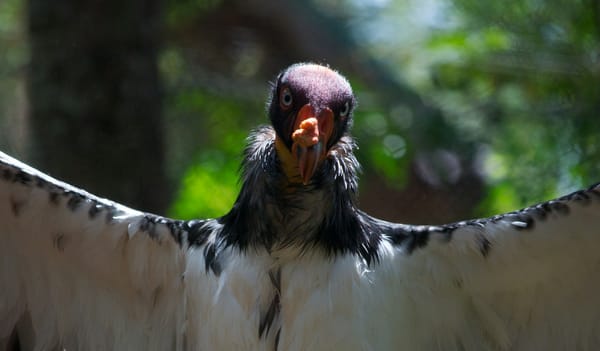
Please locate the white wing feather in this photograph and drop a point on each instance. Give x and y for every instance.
(523, 281)
(80, 281)
(83, 273)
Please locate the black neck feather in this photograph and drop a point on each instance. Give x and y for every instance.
(272, 213)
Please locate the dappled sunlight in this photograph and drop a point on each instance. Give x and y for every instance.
(518, 81)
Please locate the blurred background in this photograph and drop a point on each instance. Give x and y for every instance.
(466, 107)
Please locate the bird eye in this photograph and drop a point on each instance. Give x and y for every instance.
(344, 111)
(285, 98)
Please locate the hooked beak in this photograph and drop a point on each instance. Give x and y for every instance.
(311, 134)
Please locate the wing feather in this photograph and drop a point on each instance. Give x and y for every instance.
(78, 272)
(83, 272)
(525, 280)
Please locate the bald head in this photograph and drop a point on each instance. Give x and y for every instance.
(310, 109)
(316, 85)
(319, 85)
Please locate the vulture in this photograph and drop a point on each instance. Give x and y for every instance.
(294, 265)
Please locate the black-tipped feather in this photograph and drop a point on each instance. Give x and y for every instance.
(294, 265)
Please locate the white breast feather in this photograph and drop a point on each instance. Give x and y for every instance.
(101, 283)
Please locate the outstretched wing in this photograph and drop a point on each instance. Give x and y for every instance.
(80, 271)
(526, 280)
(83, 273)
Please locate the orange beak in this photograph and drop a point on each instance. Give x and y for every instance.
(310, 137)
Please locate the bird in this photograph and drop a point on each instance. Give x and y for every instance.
(294, 264)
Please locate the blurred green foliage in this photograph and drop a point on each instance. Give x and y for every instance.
(207, 125)
(382, 148)
(520, 80)
(210, 183)
(529, 72)
(13, 58)
(208, 188)
(518, 85)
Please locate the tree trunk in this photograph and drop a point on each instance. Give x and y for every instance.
(95, 98)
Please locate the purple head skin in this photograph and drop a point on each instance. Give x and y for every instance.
(310, 110)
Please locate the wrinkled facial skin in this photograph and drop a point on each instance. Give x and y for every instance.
(311, 84)
(310, 110)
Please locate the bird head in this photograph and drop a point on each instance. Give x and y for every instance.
(310, 109)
